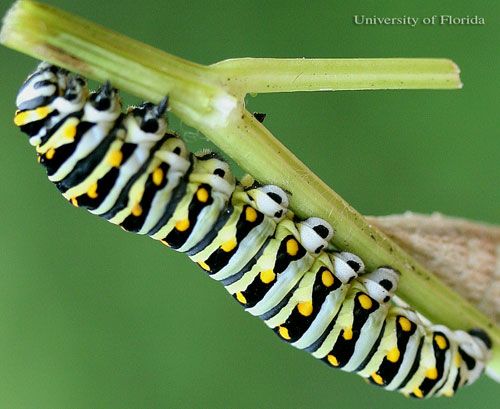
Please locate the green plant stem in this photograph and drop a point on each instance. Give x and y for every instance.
(211, 100)
(259, 75)
(50, 34)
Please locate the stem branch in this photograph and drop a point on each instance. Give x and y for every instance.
(260, 75)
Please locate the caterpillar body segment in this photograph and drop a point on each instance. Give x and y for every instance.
(131, 170)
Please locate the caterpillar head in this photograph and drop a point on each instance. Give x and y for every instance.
(41, 87)
(315, 233)
(46, 96)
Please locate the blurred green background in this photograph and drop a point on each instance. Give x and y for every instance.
(91, 317)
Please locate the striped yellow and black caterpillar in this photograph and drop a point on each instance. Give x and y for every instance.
(129, 169)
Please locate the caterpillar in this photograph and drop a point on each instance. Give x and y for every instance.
(131, 170)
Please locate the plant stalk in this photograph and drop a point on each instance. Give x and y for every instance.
(262, 75)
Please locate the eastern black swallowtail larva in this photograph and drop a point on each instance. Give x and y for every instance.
(131, 170)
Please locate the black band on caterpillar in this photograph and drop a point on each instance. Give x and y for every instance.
(130, 170)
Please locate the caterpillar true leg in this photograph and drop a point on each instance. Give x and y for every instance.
(129, 169)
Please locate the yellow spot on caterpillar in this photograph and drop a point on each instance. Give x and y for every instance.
(157, 176)
(365, 301)
(405, 324)
(347, 335)
(241, 298)
(448, 394)
(250, 214)
(137, 210)
(73, 201)
(166, 243)
(327, 278)
(115, 158)
(292, 247)
(70, 132)
(305, 308)
(204, 265)
(418, 393)
(182, 225)
(92, 192)
(393, 355)
(267, 276)
(24, 117)
(377, 378)
(458, 360)
(42, 112)
(441, 341)
(20, 118)
(332, 360)
(283, 331)
(202, 195)
(228, 245)
(431, 373)
(50, 153)
(38, 158)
